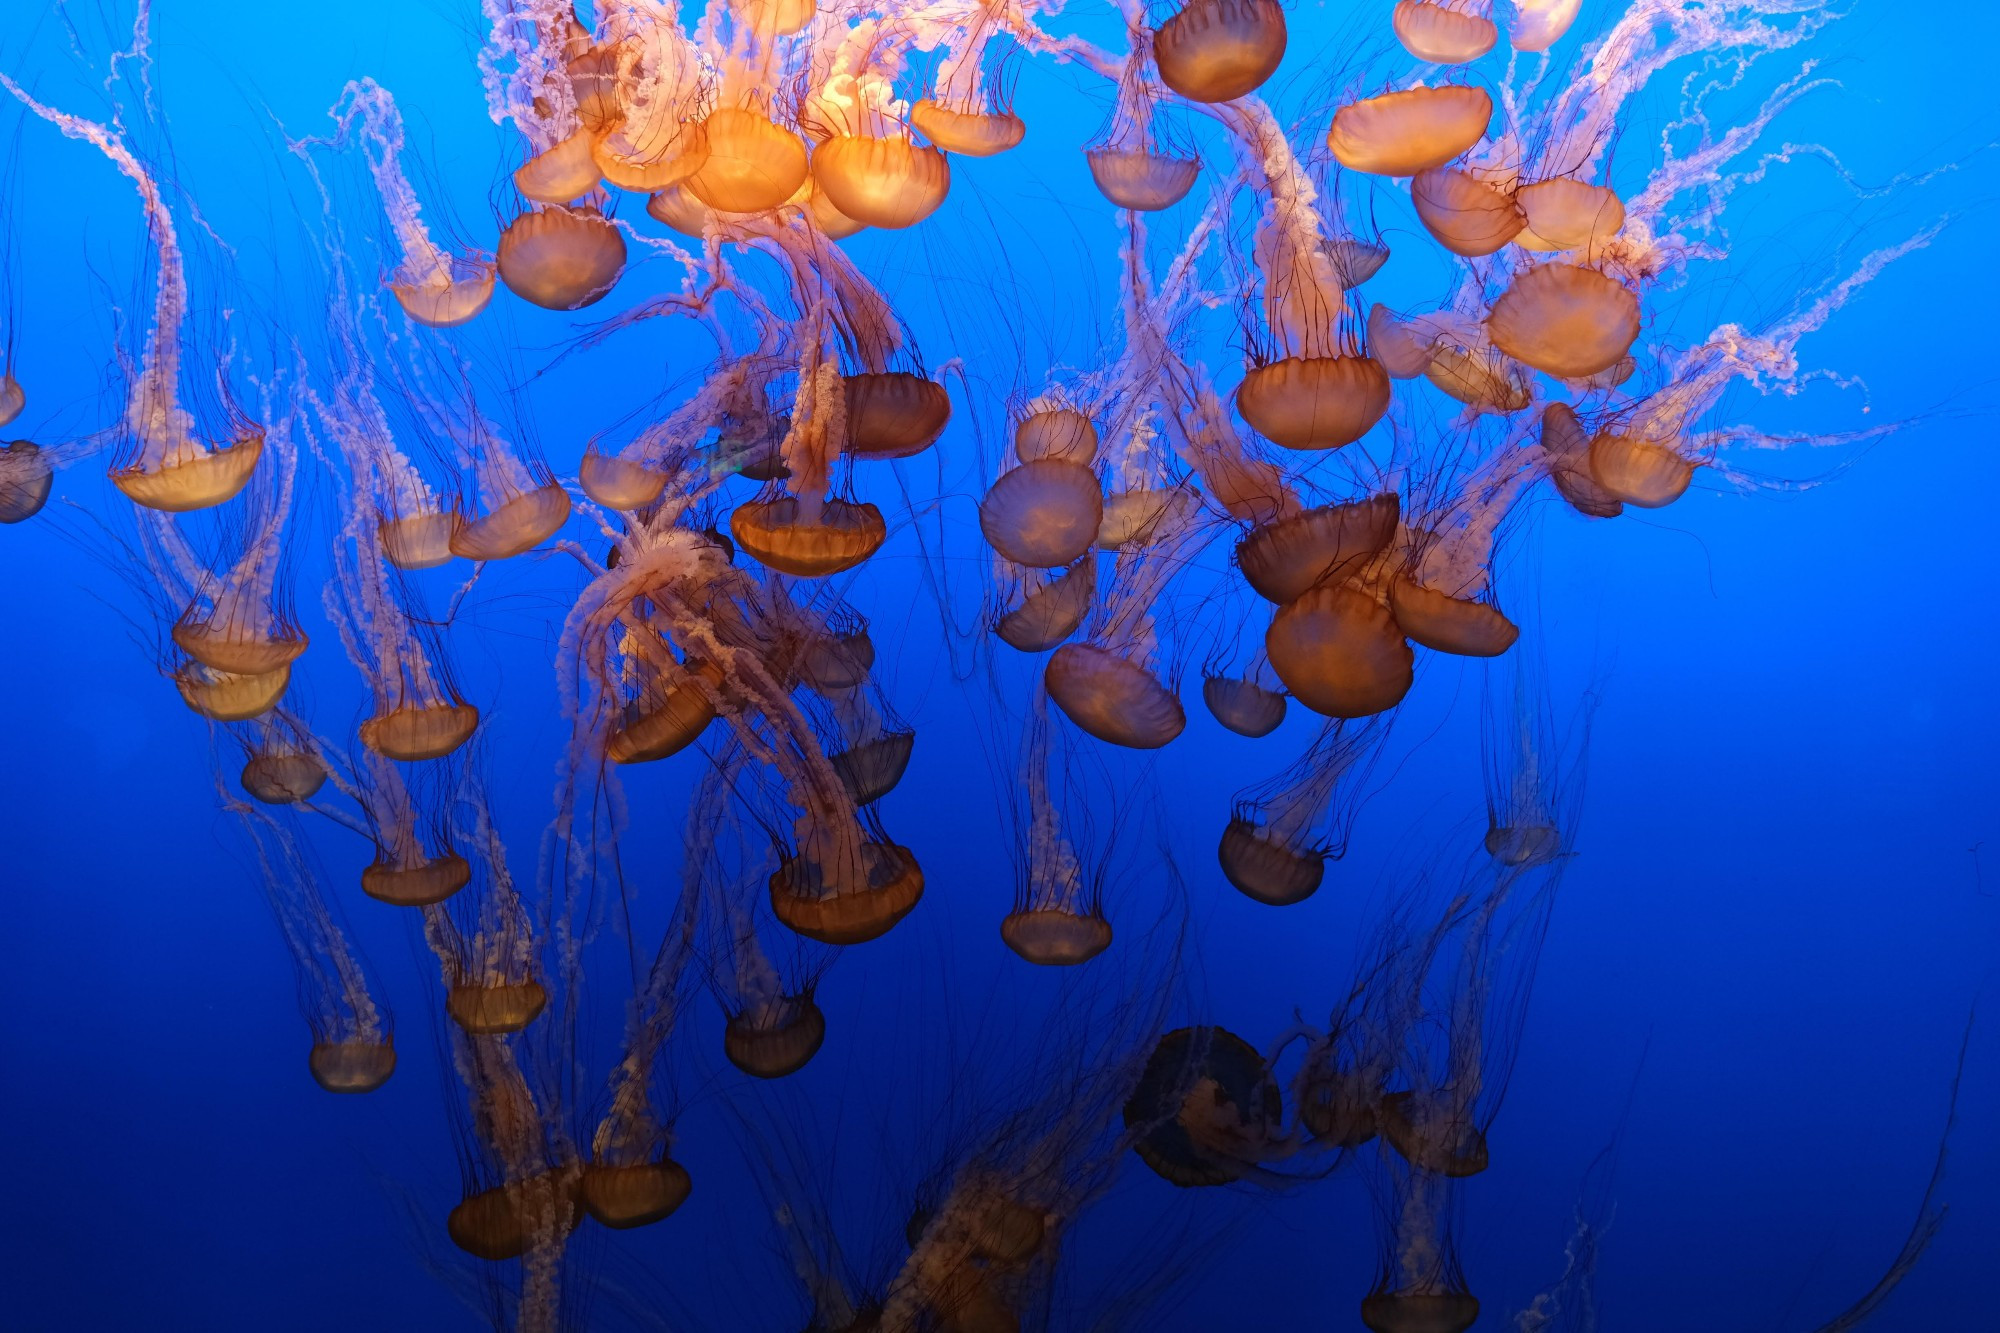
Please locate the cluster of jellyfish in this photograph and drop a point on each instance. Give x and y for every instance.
(1350, 495)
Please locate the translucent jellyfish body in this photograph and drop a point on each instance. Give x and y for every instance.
(1339, 652)
(419, 882)
(1566, 446)
(872, 769)
(1140, 179)
(491, 1008)
(867, 906)
(893, 414)
(1564, 319)
(1043, 514)
(1566, 214)
(784, 535)
(1056, 433)
(25, 481)
(1337, 1105)
(352, 1067)
(624, 1197)
(1320, 402)
(561, 258)
(1050, 612)
(1055, 937)
(283, 777)
(420, 540)
(1431, 1131)
(1486, 380)
(968, 133)
(617, 482)
(1220, 50)
(1466, 214)
(1268, 868)
(1112, 697)
(1398, 347)
(504, 1222)
(523, 520)
(777, 1040)
(1403, 133)
(1281, 560)
(889, 182)
(223, 696)
(191, 477)
(752, 165)
(1644, 472)
(562, 172)
(1243, 706)
(13, 398)
(1442, 34)
(1204, 1107)
(1447, 624)
(415, 732)
(666, 718)
(451, 293)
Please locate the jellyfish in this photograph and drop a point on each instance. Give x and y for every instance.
(1058, 916)
(644, 78)
(1220, 50)
(1282, 832)
(1403, 133)
(868, 163)
(166, 465)
(436, 286)
(1134, 167)
(1206, 1110)
(521, 504)
(1045, 512)
(1455, 32)
(282, 764)
(26, 478)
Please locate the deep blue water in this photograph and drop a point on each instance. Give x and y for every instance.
(1780, 910)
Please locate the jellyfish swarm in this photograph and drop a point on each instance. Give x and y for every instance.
(1282, 832)
(435, 286)
(1058, 915)
(165, 467)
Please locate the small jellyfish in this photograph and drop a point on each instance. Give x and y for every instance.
(1045, 512)
(283, 766)
(1047, 607)
(1282, 832)
(1132, 166)
(1058, 916)
(811, 533)
(521, 504)
(26, 478)
(1454, 32)
(1205, 1111)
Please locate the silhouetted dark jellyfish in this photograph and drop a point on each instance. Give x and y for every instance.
(1465, 211)
(858, 901)
(356, 1065)
(1243, 706)
(1044, 513)
(1339, 652)
(1444, 34)
(1281, 560)
(1649, 473)
(485, 1007)
(25, 481)
(1448, 624)
(561, 258)
(416, 882)
(871, 769)
(280, 775)
(504, 1222)
(638, 1195)
(1205, 1108)
(1433, 1131)
(833, 536)
(1420, 1312)
(1219, 50)
(1314, 402)
(1050, 611)
(1566, 445)
(1565, 319)
(837, 656)
(1403, 133)
(894, 414)
(1283, 831)
(669, 714)
(1113, 697)
(1270, 870)
(1338, 1105)
(752, 163)
(773, 1040)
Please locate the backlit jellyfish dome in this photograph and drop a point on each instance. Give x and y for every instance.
(1282, 833)
(166, 463)
(1058, 917)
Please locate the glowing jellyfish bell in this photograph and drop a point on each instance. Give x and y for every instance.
(811, 533)
(25, 481)
(1314, 402)
(282, 768)
(1051, 610)
(1403, 133)
(869, 166)
(1113, 697)
(1044, 513)
(671, 711)
(353, 1066)
(1567, 214)
(561, 257)
(1131, 169)
(856, 895)
(1565, 319)
(1642, 470)
(561, 173)
(1220, 50)
(222, 696)
(1340, 652)
(523, 504)
(1447, 624)
(487, 1007)
(1444, 34)
(753, 163)
(894, 413)
(1284, 558)
(1485, 379)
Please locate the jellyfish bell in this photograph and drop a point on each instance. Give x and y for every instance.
(1112, 697)
(1043, 514)
(1339, 652)
(1282, 559)
(1566, 445)
(893, 414)
(1356, 260)
(448, 294)
(1314, 402)
(1564, 319)
(417, 884)
(780, 534)
(1420, 1311)
(1403, 133)
(283, 777)
(521, 522)
(776, 18)
(778, 1042)
(1265, 868)
(1338, 1105)
(192, 477)
(804, 901)
(222, 696)
(1397, 347)
(1567, 214)
(418, 541)
(1060, 434)
(352, 1067)
(1203, 1107)
(967, 133)
(617, 482)
(1140, 180)
(415, 732)
(562, 172)
(890, 181)
(1056, 936)
(1052, 612)
(1429, 1131)
(1540, 24)
(1442, 34)
(1526, 845)
(238, 650)
(665, 719)
(12, 398)
(837, 660)
(1132, 518)
(504, 1222)
(1465, 212)
(872, 769)
(1447, 624)
(25, 481)
(677, 207)
(561, 257)
(638, 1195)
(1243, 706)
(1486, 380)
(753, 164)
(1220, 50)
(652, 157)
(1645, 472)
(491, 1008)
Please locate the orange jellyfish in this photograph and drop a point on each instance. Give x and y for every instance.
(1454, 32)
(1339, 1085)
(1220, 50)
(1250, 704)
(1567, 320)
(485, 941)
(282, 764)
(1058, 917)
(1540, 24)
(436, 286)
(1403, 133)
(1206, 1110)
(868, 162)
(415, 863)
(1135, 167)
(1045, 512)
(166, 465)
(799, 527)
(26, 478)
(638, 91)
(1469, 211)
(1282, 832)
(1484, 378)
(1447, 568)
(969, 110)
(521, 504)
(1566, 455)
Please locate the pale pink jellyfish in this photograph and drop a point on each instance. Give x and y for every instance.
(1445, 32)
(435, 285)
(1283, 831)
(1133, 165)
(167, 466)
